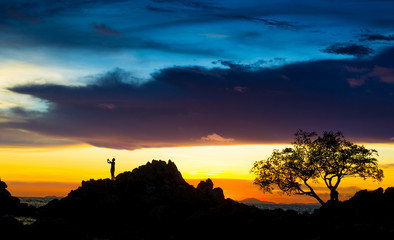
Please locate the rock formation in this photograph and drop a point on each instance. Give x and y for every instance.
(154, 202)
(367, 215)
(12, 205)
(154, 194)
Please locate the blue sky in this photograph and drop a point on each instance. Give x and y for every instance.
(154, 51)
(144, 36)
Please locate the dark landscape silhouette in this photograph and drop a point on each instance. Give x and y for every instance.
(154, 202)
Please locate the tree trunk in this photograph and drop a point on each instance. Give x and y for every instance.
(334, 195)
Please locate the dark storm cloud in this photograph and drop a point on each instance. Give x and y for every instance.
(245, 67)
(237, 66)
(348, 49)
(181, 105)
(376, 37)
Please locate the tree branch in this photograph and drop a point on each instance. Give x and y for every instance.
(338, 181)
(313, 194)
(325, 180)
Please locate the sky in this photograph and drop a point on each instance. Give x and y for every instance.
(212, 85)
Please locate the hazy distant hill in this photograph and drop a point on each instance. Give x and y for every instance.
(266, 205)
(255, 201)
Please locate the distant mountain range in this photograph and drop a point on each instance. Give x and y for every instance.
(255, 201)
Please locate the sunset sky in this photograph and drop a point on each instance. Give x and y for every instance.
(212, 85)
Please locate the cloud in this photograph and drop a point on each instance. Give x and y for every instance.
(276, 23)
(73, 25)
(215, 35)
(354, 82)
(240, 89)
(37, 11)
(103, 29)
(22, 138)
(376, 37)
(356, 70)
(216, 138)
(186, 5)
(348, 49)
(388, 165)
(244, 67)
(159, 9)
(385, 75)
(179, 104)
(266, 21)
(182, 6)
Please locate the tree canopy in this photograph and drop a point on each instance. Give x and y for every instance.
(329, 157)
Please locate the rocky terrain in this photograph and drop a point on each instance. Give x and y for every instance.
(11, 206)
(154, 202)
(367, 215)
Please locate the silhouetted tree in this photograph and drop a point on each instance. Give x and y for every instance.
(329, 157)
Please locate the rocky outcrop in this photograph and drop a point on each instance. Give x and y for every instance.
(367, 215)
(154, 202)
(152, 194)
(215, 194)
(12, 205)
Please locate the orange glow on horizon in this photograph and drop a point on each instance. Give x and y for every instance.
(40, 189)
(49, 171)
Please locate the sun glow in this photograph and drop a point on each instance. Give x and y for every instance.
(57, 170)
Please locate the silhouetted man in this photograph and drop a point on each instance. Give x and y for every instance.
(112, 168)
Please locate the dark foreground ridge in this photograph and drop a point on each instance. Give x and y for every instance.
(155, 202)
(9, 206)
(12, 205)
